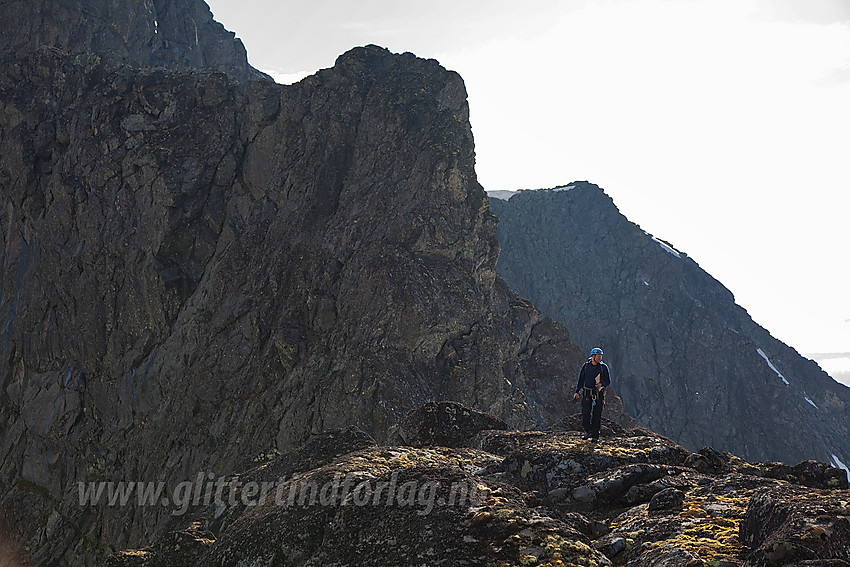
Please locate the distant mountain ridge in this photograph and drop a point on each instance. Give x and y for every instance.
(688, 361)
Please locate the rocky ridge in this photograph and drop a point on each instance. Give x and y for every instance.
(688, 361)
(528, 498)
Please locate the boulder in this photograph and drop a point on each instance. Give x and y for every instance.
(667, 499)
(790, 525)
(449, 424)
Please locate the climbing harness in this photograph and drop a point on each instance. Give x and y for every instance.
(591, 393)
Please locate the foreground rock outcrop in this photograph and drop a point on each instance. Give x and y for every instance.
(503, 497)
(687, 360)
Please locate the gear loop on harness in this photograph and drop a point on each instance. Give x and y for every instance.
(593, 394)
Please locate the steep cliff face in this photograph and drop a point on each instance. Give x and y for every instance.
(688, 361)
(195, 268)
(178, 34)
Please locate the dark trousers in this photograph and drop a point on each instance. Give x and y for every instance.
(591, 415)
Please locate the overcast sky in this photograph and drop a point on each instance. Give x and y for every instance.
(721, 126)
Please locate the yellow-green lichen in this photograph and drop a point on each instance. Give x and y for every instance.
(701, 531)
(708, 538)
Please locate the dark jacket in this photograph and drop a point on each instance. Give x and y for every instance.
(587, 375)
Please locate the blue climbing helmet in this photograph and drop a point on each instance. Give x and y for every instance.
(596, 351)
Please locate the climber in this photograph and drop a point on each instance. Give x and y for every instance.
(593, 378)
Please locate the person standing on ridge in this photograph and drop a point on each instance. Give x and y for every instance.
(593, 378)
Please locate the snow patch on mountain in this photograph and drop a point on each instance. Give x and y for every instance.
(841, 465)
(667, 248)
(772, 367)
(503, 195)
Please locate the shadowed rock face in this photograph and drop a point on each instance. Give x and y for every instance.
(687, 361)
(178, 34)
(196, 268)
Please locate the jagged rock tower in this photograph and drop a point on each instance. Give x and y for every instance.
(197, 266)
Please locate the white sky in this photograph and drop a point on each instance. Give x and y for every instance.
(721, 126)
